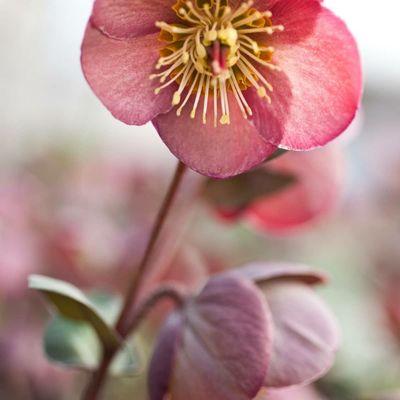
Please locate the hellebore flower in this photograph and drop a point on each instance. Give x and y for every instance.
(285, 194)
(225, 81)
(257, 327)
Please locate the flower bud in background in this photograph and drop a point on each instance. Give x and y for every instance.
(258, 326)
(287, 193)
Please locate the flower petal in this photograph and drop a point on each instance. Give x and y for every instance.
(163, 357)
(220, 152)
(305, 335)
(261, 273)
(319, 182)
(118, 73)
(324, 72)
(297, 393)
(225, 345)
(298, 18)
(124, 19)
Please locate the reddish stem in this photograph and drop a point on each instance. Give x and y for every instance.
(172, 292)
(123, 327)
(155, 233)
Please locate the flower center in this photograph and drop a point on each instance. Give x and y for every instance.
(214, 50)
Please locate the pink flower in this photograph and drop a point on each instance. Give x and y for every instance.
(243, 76)
(311, 184)
(258, 326)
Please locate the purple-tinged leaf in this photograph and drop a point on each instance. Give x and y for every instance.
(223, 347)
(163, 357)
(305, 334)
(263, 272)
(294, 393)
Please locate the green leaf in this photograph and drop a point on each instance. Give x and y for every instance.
(71, 343)
(240, 191)
(73, 304)
(74, 344)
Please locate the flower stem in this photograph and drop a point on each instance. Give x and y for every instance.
(155, 233)
(123, 327)
(171, 292)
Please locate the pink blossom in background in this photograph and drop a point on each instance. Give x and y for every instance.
(101, 215)
(308, 58)
(319, 180)
(20, 243)
(317, 185)
(257, 326)
(24, 364)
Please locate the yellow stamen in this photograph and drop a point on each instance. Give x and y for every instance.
(214, 54)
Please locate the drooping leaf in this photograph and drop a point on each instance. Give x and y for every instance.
(75, 344)
(216, 347)
(72, 344)
(306, 335)
(73, 304)
(262, 272)
(238, 192)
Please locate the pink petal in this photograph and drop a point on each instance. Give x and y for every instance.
(118, 73)
(324, 85)
(298, 17)
(223, 349)
(261, 273)
(217, 152)
(320, 180)
(305, 335)
(163, 357)
(295, 393)
(123, 19)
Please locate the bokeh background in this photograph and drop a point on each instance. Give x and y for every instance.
(78, 190)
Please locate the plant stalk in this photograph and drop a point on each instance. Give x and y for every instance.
(123, 327)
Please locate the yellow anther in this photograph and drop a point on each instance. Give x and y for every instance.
(261, 91)
(214, 55)
(228, 36)
(201, 51)
(176, 99)
(185, 57)
(224, 120)
(211, 36)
